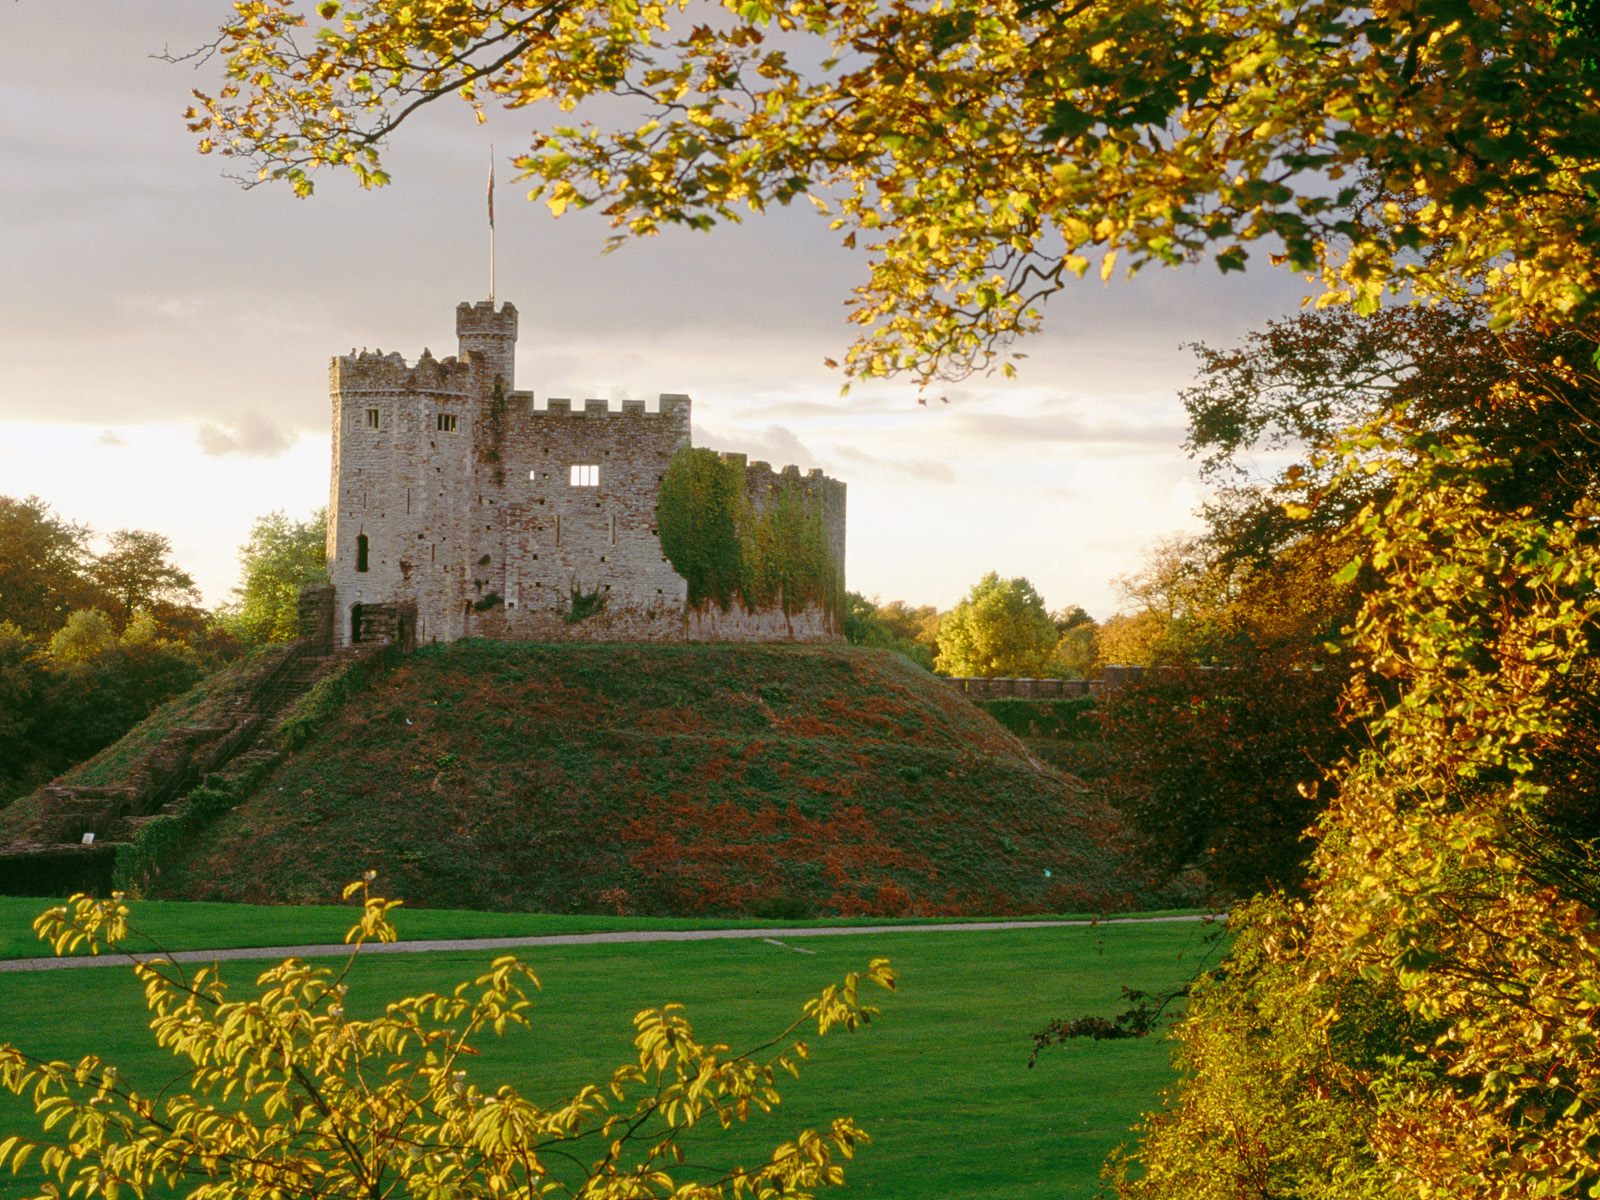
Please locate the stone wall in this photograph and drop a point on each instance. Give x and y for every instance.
(763, 485)
(576, 512)
(314, 610)
(984, 688)
(623, 623)
(388, 624)
(496, 516)
(398, 524)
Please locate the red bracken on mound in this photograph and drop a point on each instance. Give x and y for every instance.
(765, 781)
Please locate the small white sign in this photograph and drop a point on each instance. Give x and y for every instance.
(88, 839)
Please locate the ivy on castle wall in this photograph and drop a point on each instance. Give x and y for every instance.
(728, 550)
(697, 512)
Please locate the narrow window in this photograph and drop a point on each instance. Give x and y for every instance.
(361, 552)
(372, 418)
(585, 474)
(613, 529)
(446, 422)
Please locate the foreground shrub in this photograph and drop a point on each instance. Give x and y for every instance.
(290, 1096)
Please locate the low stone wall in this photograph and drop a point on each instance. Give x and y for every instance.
(315, 613)
(624, 623)
(48, 855)
(980, 688)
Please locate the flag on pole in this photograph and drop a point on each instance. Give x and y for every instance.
(491, 223)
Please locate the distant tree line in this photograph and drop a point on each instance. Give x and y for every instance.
(1001, 628)
(92, 642)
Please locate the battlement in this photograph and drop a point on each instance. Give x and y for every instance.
(489, 334)
(374, 371)
(486, 318)
(670, 405)
(761, 479)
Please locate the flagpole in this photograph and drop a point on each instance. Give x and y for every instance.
(491, 224)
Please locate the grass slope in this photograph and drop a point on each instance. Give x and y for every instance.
(940, 1081)
(207, 702)
(1064, 733)
(767, 780)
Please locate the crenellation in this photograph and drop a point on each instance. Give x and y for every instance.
(560, 406)
(488, 336)
(460, 502)
(378, 372)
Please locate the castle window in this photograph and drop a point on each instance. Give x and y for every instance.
(585, 474)
(361, 552)
(372, 418)
(446, 422)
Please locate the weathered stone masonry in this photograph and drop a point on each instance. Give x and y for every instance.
(461, 508)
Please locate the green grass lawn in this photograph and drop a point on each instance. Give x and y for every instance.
(192, 925)
(940, 1082)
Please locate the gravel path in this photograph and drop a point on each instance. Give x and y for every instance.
(775, 936)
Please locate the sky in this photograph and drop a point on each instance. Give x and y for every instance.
(165, 333)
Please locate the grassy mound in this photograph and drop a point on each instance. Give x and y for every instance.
(773, 781)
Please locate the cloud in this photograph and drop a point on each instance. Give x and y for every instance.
(927, 470)
(860, 403)
(110, 437)
(252, 434)
(1061, 428)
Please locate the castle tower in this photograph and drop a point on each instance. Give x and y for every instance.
(400, 520)
(491, 334)
(460, 508)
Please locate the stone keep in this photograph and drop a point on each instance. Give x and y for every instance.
(461, 508)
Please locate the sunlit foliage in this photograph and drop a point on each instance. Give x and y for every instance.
(287, 1092)
(281, 557)
(1455, 872)
(984, 152)
(728, 549)
(1001, 627)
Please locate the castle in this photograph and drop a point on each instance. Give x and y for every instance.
(459, 508)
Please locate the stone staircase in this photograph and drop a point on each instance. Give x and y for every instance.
(56, 853)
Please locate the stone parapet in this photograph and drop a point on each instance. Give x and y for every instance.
(981, 688)
(376, 373)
